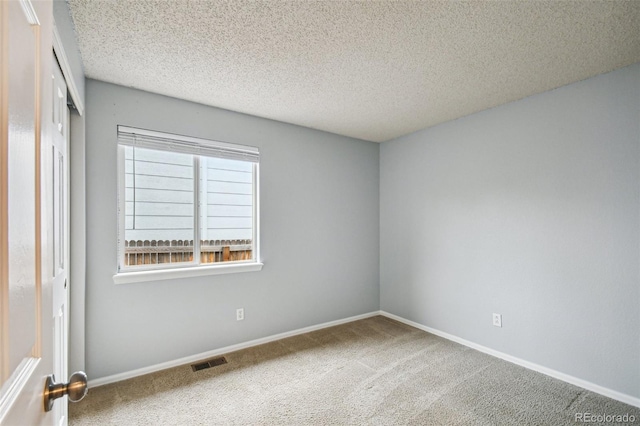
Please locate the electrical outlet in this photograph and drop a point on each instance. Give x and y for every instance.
(239, 314)
(497, 320)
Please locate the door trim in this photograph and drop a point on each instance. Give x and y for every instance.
(65, 67)
(16, 384)
(29, 12)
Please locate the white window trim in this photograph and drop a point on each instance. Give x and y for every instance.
(185, 272)
(190, 269)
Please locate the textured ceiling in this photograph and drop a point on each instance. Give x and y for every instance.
(373, 70)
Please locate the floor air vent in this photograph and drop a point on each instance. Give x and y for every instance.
(209, 363)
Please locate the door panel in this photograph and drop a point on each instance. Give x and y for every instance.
(60, 226)
(26, 321)
(21, 193)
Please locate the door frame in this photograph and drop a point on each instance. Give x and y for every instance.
(65, 67)
(77, 198)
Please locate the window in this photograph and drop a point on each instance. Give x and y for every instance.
(185, 203)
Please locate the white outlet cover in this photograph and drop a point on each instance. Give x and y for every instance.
(497, 320)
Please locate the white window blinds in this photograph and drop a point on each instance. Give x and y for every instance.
(130, 136)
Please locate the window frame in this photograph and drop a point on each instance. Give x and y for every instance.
(160, 271)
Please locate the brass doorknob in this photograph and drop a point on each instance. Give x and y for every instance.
(76, 389)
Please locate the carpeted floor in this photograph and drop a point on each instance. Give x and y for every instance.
(370, 372)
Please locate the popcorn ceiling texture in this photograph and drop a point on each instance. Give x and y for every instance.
(372, 70)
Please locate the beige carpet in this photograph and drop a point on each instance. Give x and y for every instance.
(370, 372)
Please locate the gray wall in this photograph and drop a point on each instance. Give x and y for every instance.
(319, 234)
(530, 210)
(77, 216)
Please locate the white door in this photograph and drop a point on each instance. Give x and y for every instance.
(26, 344)
(60, 226)
(33, 219)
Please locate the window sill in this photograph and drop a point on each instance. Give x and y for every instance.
(196, 271)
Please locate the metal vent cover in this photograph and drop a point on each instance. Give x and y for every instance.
(213, 362)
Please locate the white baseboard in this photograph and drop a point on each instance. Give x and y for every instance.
(627, 399)
(619, 396)
(217, 352)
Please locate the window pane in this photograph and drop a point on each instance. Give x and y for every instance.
(159, 206)
(226, 210)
